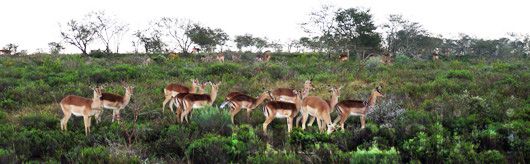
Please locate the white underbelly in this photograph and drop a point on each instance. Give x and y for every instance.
(195, 106)
(355, 114)
(281, 115)
(110, 107)
(286, 99)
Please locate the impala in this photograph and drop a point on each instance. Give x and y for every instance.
(194, 101)
(435, 54)
(343, 57)
(320, 109)
(280, 109)
(117, 102)
(346, 108)
(287, 94)
(80, 106)
(243, 101)
(220, 57)
(265, 57)
(180, 97)
(172, 90)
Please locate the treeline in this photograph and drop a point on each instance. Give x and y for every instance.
(329, 30)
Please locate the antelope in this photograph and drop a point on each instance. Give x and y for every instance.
(80, 106)
(435, 55)
(386, 58)
(346, 108)
(220, 57)
(343, 57)
(280, 109)
(287, 94)
(265, 57)
(195, 50)
(229, 97)
(243, 101)
(194, 101)
(117, 102)
(172, 90)
(320, 109)
(179, 98)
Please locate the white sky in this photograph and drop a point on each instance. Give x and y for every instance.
(33, 23)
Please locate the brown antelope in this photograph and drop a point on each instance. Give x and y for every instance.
(320, 109)
(180, 97)
(172, 90)
(194, 101)
(343, 57)
(280, 109)
(435, 54)
(287, 94)
(117, 102)
(386, 58)
(229, 97)
(80, 106)
(265, 57)
(195, 50)
(346, 108)
(243, 101)
(220, 57)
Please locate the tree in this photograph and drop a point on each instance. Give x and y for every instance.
(79, 34)
(11, 47)
(206, 37)
(276, 45)
(291, 44)
(120, 32)
(260, 43)
(107, 27)
(355, 29)
(243, 41)
(406, 37)
(322, 24)
(150, 39)
(176, 29)
(55, 47)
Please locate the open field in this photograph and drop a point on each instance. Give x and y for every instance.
(458, 109)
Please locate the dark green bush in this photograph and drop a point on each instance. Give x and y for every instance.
(42, 121)
(375, 155)
(173, 141)
(491, 156)
(304, 139)
(274, 157)
(460, 74)
(37, 144)
(211, 119)
(213, 149)
(7, 156)
(98, 154)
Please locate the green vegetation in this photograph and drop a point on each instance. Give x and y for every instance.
(459, 110)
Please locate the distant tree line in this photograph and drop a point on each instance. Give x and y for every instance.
(329, 30)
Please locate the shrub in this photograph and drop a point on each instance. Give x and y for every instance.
(173, 141)
(211, 119)
(491, 156)
(251, 142)
(401, 59)
(36, 144)
(42, 121)
(274, 157)
(98, 154)
(304, 139)
(460, 74)
(213, 149)
(375, 155)
(387, 112)
(7, 156)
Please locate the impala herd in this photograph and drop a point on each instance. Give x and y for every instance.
(292, 104)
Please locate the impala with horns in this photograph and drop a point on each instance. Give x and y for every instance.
(80, 106)
(280, 109)
(288, 95)
(320, 109)
(243, 101)
(178, 100)
(347, 108)
(173, 90)
(194, 101)
(116, 102)
(220, 57)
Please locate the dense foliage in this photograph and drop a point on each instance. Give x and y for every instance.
(458, 110)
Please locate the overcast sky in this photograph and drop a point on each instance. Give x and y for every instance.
(33, 23)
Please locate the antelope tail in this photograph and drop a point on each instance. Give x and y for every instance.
(223, 104)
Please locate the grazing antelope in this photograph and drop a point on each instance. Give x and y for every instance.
(243, 101)
(320, 109)
(180, 97)
(343, 57)
(220, 57)
(346, 108)
(80, 106)
(229, 97)
(194, 101)
(287, 94)
(172, 90)
(280, 109)
(117, 102)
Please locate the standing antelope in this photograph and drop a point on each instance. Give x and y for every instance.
(343, 57)
(346, 108)
(80, 106)
(265, 57)
(280, 109)
(172, 90)
(287, 94)
(220, 57)
(117, 102)
(320, 109)
(178, 100)
(243, 101)
(194, 101)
